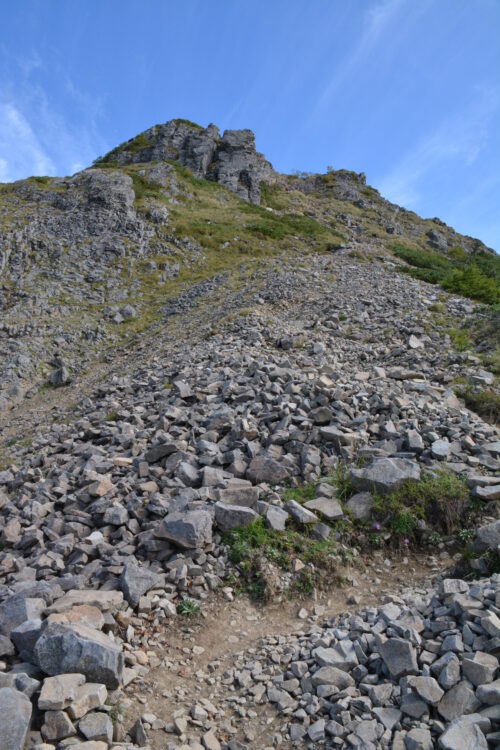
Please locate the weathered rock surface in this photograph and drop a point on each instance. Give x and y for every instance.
(15, 717)
(80, 649)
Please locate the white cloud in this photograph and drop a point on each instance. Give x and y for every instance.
(21, 152)
(44, 131)
(459, 138)
(376, 21)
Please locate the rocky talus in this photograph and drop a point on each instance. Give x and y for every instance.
(286, 394)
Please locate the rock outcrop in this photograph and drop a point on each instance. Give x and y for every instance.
(230, 160)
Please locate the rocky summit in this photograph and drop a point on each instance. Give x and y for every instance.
(249, 460)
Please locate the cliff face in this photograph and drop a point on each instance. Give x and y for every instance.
(230, 160)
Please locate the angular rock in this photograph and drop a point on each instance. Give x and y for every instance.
(96, 726)
(459, 700)
(384, 475)
(479, 667)
(15, 718)
(399, 657)
(190, 529)
(299, 513)
(360, 505)
(16, 609)
(79, 649)
(328, 507)
(276, 518)
(463, 734)
(135, 581)
(233, 516)
(266, 469)
(57, 726)
(58, 692)
(332, 676)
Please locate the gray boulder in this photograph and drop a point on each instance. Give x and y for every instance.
(18, 608)
(487, 537)
(79, 649)
(276, 518)
(399, 657)
(384, 475)
(265, 469)
(96, 726)
(328, 507)
(233, 516)
(189, 530)
(464, 734)
(360, 505)
(135, 581)
(299, 513)
(15, 718)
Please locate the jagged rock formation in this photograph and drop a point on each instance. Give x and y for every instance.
(230, 160)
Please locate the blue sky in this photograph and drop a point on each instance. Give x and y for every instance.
(407, 91)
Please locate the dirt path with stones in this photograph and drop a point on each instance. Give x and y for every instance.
(195, 654)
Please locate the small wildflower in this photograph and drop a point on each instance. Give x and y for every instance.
(377, 527)
(406, 542)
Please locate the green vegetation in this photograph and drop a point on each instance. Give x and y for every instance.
(251, 546)
(440, 500)
(133, 146)
(476, 276)
(301, 494)
(485, 402)
(41, 179)
(188, 608)
(189, 123)
(144, 188)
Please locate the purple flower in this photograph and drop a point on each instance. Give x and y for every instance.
(406, 542)
(377, 527)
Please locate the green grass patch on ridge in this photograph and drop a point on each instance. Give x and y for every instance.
(476, 276)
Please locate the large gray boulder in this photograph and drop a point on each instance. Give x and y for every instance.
(15, 717)
(360, 505)
(73, 648)
(266, 469)
(233, 516)
(18, 608)
(135, 581)
(487, 537)
(399, 657)
(464, 734)
(384, 475)
(190, 529)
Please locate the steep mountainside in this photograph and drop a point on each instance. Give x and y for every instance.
(116, 244)
(223, 388)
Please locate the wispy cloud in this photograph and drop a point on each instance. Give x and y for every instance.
(21, 152)
(458, 138)
(376, 21)
(42, 132)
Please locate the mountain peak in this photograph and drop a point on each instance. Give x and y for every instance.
(230, 159)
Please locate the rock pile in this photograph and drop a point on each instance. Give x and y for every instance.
(416, 673)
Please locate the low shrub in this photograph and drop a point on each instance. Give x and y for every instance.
(440, 500)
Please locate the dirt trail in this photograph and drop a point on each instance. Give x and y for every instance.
(195, 653)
